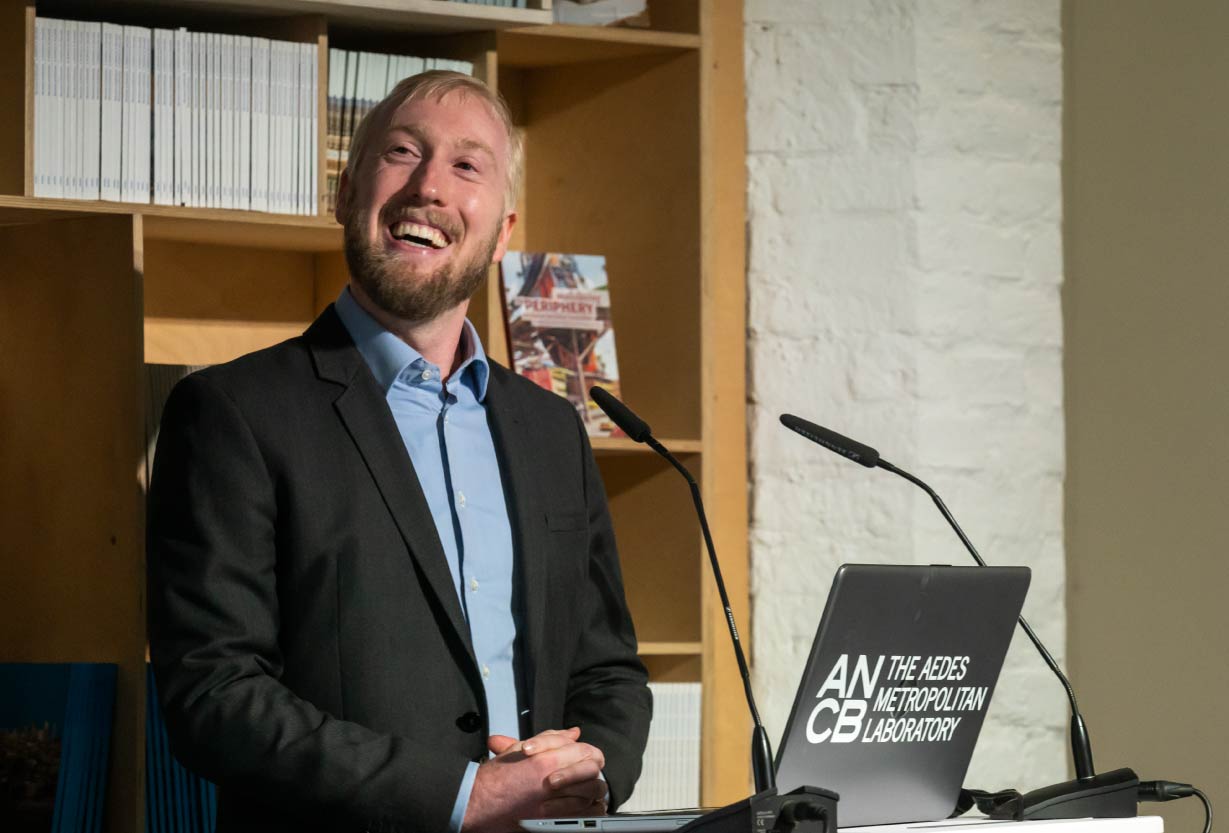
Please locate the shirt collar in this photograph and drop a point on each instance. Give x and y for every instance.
(387, 355)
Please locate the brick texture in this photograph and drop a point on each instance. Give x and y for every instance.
(905, 267)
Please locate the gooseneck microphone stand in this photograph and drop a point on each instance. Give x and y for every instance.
(1107, 795)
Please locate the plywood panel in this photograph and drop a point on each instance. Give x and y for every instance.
(659, 544)
(613, 168)
(16, 129)
(208, 304)
(725, 773)
(71, 568)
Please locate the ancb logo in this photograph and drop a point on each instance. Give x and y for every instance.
(844, 696)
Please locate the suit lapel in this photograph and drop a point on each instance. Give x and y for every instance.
(514, 444)
(365, 413)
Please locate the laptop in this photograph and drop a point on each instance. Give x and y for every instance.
(892, 697)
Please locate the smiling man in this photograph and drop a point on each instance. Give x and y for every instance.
(384, 592)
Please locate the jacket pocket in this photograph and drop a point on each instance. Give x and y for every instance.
(565, 521)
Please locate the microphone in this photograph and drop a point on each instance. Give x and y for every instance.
(638, 430)
(1109, 795)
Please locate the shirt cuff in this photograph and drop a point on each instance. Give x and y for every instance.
(462, 802)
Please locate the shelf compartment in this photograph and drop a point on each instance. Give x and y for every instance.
(659, 545)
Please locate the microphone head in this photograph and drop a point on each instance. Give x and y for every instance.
(622, 416)
(851, 449)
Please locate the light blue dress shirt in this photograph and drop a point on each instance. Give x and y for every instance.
(445, 431)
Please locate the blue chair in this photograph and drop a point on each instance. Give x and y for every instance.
(76, 702)
(176, 800)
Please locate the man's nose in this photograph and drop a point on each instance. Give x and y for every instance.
(427, 184)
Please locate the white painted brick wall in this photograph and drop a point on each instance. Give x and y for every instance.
(904, 201)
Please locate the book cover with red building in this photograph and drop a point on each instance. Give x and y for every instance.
(560, 333)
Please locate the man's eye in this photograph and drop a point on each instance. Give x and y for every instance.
(467, 166)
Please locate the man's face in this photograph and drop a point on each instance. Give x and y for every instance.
(424, 214)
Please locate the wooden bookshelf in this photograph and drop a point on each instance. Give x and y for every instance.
(634, 150)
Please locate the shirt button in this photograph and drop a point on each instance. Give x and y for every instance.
(426, 375)
(473, 584)
(461, 499)
(486, 673)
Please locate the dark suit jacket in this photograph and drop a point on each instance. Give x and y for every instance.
(307, 638)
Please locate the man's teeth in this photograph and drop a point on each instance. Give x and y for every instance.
(420, 234)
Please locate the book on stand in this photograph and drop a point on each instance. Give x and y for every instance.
(560, 332)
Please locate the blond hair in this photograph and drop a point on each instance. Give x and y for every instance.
(436, 84)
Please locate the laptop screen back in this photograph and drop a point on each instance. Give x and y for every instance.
(897, 685)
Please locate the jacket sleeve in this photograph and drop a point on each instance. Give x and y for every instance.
(214, 631)
(608, 696)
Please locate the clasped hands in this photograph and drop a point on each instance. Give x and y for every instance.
(549, 775)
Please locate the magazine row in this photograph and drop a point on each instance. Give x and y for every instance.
(132, 114)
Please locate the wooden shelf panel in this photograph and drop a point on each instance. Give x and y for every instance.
(216, 226)
(547, 46)
(671, 649)
(622, 445)
(425, 16)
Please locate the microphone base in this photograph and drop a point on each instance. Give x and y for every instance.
(1110, 795)
(801, 810)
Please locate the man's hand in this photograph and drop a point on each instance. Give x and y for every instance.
(551, 774)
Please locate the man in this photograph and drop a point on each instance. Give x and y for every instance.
(376, 558)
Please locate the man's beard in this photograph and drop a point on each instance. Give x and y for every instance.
(387, 282)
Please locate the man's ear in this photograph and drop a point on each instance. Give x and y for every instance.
(505, 234)
(342, 208)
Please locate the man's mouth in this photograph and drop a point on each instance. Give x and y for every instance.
(417, 234)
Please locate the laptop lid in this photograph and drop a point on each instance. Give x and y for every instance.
(900, 675)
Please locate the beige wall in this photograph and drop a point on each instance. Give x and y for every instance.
(1147, 386)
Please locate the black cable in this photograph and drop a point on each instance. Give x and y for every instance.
(1207, 809)
(1170, 790)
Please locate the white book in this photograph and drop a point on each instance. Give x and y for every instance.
(90, 35)
(260, 124)
(112, 116)
(277, 106)
(213, 148)
(164, 116)
(301, 128)
(306, 126)
(43, 100)
(312, 121)
(182, 120)
(290, 133)
(290, 176)
(70, 144)
(226, 123)
(197, 150)
(244, 115)
(294, 89)
(60, 107)
(126, 142)
(142, 175)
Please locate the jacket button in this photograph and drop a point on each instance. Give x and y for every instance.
(469, 722)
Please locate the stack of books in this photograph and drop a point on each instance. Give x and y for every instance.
(671, 773)
(174, 117)
(357, 82)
